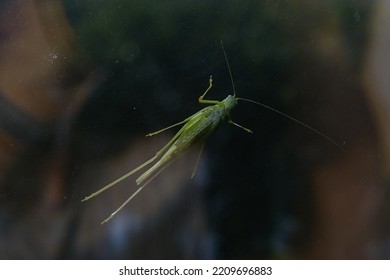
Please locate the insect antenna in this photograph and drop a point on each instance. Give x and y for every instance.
(293, 119)
(230, 71)
(273, 109)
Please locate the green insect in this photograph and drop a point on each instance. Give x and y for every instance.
(195, 130)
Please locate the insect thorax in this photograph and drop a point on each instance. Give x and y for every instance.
(228, 103)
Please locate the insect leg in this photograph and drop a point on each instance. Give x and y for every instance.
(197, 161)
(154, 176)
(205, 101)
(158, 154)
(130, 198)
(121, 178)
(169, 127)
(240, 126)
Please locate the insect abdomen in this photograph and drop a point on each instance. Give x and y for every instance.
(194, 131)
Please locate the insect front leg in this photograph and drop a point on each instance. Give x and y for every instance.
(205, 101)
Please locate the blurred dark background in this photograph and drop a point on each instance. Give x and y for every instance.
(112, 71)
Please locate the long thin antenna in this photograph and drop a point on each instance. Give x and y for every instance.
(273, 109)
(230, 71)
(295, 120)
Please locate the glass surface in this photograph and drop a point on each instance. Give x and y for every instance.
(83, 82)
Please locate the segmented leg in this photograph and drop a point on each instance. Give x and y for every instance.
(205, 101)
(157, 155)
(240, 126)
(197, 160)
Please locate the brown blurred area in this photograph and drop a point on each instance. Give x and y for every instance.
(47, 78)
(44, 81)
(349, 194)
